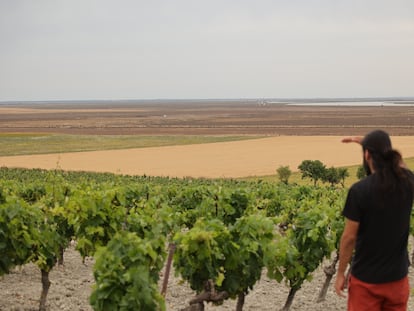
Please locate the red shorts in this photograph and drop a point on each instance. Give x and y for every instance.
(392, 296)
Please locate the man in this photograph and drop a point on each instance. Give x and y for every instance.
(377, 222)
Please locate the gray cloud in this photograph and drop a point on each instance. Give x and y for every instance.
(84, 49)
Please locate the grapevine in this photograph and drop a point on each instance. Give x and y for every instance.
(225, 232)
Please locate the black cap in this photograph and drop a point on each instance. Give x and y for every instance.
(377, 141)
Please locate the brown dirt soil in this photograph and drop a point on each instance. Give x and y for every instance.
(72, 286)
(250, 117)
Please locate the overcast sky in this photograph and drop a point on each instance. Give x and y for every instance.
(120, 49)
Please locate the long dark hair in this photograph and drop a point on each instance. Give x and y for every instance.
(392, 176)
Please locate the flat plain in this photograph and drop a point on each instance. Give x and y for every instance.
(214, 117)
(288, 135)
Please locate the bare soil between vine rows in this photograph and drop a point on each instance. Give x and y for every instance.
(72, 285)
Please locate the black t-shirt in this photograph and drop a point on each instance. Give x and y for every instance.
(384, 222)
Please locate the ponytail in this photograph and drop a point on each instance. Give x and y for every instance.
(389, 166)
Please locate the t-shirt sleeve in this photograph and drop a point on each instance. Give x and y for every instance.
(352, 209)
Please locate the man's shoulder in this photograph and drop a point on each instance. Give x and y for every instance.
(364, 182)
(410, 173)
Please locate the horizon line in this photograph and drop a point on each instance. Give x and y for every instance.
(277, 99)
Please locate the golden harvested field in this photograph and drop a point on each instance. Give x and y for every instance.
(255, 157)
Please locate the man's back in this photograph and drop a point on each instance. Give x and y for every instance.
(384, 216)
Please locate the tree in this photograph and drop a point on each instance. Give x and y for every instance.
(361, 172)
(343, 174)
(331, 176)
(335, 175)
(284, 173)
(314, 169)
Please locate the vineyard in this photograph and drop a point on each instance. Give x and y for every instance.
(140, 234)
